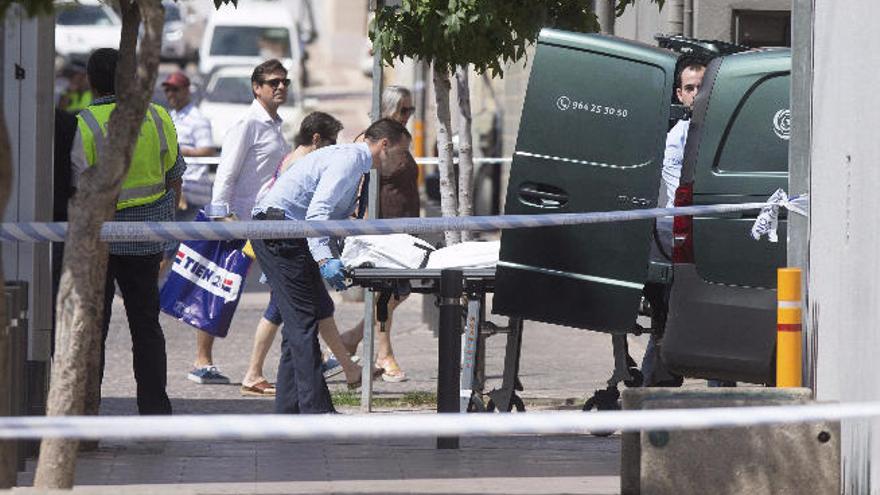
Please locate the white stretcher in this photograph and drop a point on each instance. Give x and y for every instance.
(398, 266)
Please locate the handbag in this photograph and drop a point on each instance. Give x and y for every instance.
(205, 283)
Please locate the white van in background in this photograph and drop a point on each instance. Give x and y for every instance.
(84, 26)
(250, 34)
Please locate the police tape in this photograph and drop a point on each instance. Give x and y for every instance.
(215, 160)
(411, 425)
(291, 229)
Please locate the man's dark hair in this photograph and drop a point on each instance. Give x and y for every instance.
(391, 130)
(101, 70)
(320, 123)
(693, 62)
(268, 67)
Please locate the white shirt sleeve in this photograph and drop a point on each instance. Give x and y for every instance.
(673, 157)
(236, 145)
(202, 132)
(78, 161)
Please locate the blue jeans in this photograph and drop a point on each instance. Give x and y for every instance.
(299, 292)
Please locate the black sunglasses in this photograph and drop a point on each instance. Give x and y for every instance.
(277, 82)
(407, 110)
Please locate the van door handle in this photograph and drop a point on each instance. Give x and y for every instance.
(542, 195)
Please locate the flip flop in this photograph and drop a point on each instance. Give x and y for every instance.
(259, 389)
(393, 374)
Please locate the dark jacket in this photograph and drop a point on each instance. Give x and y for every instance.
(399, 190)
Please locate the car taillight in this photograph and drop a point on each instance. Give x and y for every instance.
(683, 226)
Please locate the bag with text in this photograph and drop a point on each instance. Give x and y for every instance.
(205, 283)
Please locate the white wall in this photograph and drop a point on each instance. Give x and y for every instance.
(845, 223)
(713, 19)
(342, 38)
(29, 113)
(641, 22)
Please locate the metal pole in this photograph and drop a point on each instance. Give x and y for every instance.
(799, 166)
(605, 12)
(675, 22)
(449, 349)
(372, 212)
(420, 99)
(688, 21)
(376, 107)
(369, 310)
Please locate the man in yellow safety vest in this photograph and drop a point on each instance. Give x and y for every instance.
(149, 193)
(78, 94)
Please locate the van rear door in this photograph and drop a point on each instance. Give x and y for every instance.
(747, 130)
(591, 138)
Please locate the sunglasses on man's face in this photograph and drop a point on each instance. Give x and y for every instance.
(277, 82)
(407, 110)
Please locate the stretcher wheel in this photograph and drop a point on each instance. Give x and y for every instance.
(603, 400)
(637, 378)
(515, 402)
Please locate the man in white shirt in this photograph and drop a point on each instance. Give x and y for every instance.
(194, 140)
(689, 77)
(194, 137)
(251, 152)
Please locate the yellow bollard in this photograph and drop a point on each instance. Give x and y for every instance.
(418, 146)
(788, 328)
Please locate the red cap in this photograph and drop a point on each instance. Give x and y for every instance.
(177, 79)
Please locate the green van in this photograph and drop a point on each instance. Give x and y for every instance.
(722, 309)
(591, 138)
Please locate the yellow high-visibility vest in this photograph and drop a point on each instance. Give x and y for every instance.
(78, 101)
(154, 153)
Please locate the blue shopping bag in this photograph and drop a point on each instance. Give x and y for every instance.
(205, 283)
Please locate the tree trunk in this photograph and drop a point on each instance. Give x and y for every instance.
(8, 468)
(465, 149)
(448, 199)
(80, 303)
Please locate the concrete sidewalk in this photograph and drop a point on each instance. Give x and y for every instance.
(559, 366)
(558, 363)
(527, 465)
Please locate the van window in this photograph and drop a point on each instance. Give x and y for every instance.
(84, 15)
(251, 41)
(231, 90)
(757, 141)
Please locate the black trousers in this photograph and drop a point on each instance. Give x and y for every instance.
(137, 277)
(299, 292)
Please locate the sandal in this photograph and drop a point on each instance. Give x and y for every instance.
(393, 373)
(357, 383)
(260, 389)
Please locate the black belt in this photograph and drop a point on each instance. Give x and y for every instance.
(271, 214)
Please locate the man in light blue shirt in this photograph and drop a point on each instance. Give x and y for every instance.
(323, 185)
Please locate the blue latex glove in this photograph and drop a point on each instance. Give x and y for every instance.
(331, 270)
